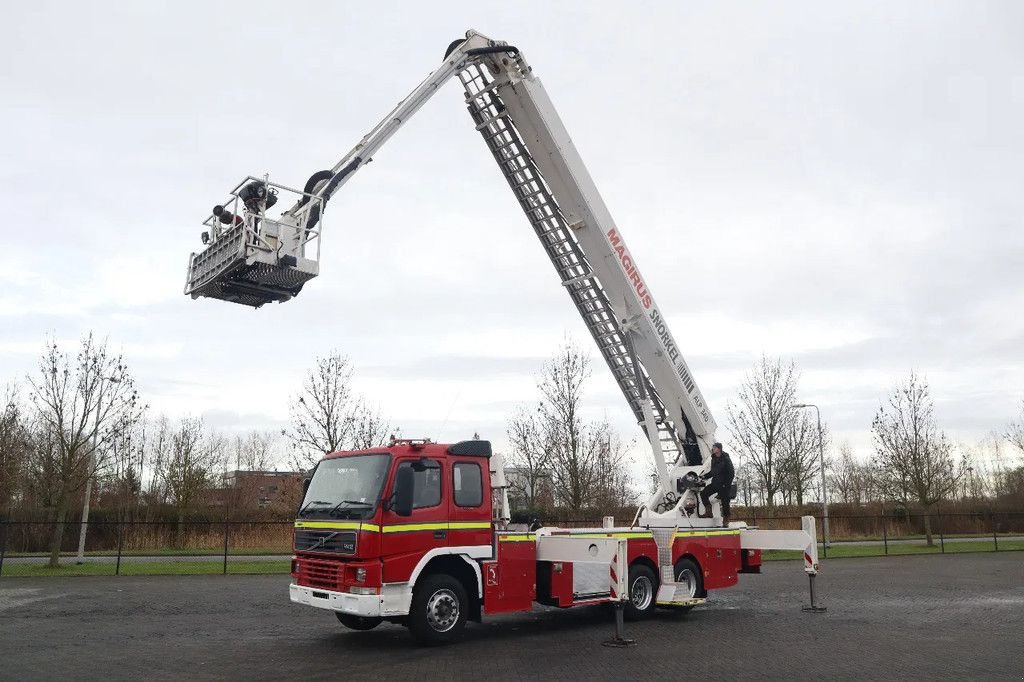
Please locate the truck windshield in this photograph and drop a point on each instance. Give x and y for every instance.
(346, 487)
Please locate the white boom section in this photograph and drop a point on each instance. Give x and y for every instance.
(535, 153)
(538, 159)
(363, 152)
(803, 540)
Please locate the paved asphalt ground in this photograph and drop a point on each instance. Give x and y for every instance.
(915, 617)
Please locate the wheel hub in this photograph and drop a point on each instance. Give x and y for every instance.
(687, 578)
(642, 592)
(442, 610)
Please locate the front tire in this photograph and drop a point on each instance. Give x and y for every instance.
(438, 611)
(643, 593)
(361, 623)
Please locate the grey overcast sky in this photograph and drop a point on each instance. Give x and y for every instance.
(836, 183)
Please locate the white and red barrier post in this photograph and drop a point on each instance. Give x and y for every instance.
(618, 586)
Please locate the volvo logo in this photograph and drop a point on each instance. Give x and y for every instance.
(322, 542)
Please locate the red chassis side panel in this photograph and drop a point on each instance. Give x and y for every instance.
(510, 579)
(717, 552)
(644, 548)
(723, 562)
(554, 583)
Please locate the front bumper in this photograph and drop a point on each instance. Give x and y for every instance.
(369, 605)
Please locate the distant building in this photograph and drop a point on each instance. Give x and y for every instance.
(261, 489)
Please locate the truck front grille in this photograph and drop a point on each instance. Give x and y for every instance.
(320, 573)
(326, 541)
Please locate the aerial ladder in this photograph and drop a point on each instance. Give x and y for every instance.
(252, 258)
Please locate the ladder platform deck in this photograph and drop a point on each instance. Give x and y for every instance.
(253, 283)
(251, 258)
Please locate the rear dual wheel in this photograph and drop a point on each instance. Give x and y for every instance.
(643, 592)
(688, 573)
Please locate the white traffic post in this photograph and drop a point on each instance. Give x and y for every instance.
(811, 560)
(618, 584)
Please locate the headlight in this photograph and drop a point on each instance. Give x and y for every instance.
(364, 590)
(360, 575)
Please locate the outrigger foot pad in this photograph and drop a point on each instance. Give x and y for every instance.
(619, 643)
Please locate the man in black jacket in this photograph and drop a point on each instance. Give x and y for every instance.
(721, 475)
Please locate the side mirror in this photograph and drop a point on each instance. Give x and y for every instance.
(405, 480)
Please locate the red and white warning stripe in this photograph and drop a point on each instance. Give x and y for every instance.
(614, 577)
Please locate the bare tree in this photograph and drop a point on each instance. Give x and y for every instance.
(194, 457)
(127, 449)
(371, 428)
(14, 445)
(531, 455)
(586, 460)
(327, 416)
(254, 451)
(759, 418)
(916, 457)
(251, 452)
(846, 478)
(80, 404)
(158, 453)
(614, 488)
(1015, 431)
(800, 454)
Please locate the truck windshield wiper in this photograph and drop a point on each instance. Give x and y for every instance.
(336, 507)
(309, 504)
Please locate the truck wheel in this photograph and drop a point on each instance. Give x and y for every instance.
(357, 622)
(643, 592)
(438, 610)
(688, 572)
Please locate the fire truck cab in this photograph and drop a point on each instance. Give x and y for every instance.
(416, 534)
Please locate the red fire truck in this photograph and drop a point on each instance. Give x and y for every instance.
(420, 533)
(409, 534)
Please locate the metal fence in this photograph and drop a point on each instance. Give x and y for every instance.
(162, 546)
(903, 533)
(153, 547)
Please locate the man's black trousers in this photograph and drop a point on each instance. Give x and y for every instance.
(723, 496)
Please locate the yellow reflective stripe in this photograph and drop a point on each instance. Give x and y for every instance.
(415, 526)
(455, 525)
(485, 525)
(464, 525)
(702, 533)
(516, 538)
(339, 525)
(399, 528)
(646, 534)
(605, 535)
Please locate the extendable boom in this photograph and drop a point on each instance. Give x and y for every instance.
(525, 135)
(533, 150)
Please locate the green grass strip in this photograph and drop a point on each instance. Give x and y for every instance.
(149, 568)
(849, 551)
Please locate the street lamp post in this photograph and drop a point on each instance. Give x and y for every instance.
(821, 455)
(88, 481)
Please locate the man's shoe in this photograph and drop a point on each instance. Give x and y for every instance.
(725, 522)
